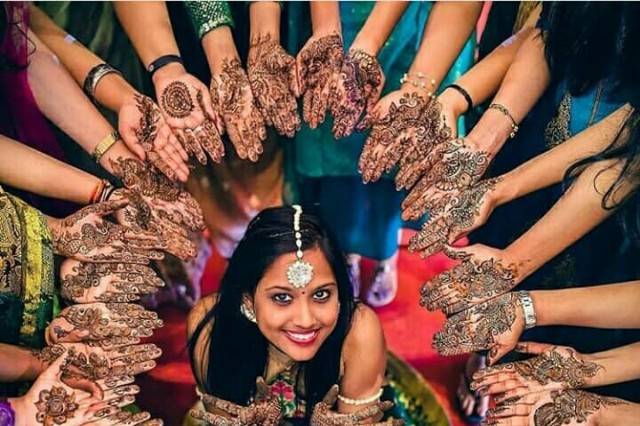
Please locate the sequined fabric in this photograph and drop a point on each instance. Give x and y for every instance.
(208, 15)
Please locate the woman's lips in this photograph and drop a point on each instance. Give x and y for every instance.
(302, 338)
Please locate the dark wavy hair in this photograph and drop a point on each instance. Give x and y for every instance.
(6, 25)
(237, 349)
(587, 41)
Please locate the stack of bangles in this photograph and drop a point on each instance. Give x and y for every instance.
(7, 415)
(101, 193)
(419, 80)
(362, 401)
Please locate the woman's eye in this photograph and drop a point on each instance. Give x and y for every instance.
(281, 298)
(322, 295)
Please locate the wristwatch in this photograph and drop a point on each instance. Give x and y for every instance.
(528, 309)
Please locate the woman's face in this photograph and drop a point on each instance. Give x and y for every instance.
(297, 321)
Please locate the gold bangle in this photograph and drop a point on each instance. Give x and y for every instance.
(104, 145)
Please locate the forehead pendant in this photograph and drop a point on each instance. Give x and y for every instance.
(299, 272)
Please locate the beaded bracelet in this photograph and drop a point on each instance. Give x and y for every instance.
(93, 78)
(363, 401)
(505, 111)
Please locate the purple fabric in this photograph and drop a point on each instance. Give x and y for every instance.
(20, 118)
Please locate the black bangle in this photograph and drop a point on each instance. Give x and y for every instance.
(162, 61)
(93, 78)
(464, 93)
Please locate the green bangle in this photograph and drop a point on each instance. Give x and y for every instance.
(208, 15)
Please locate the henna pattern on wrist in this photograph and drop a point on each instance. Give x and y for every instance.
(571, 405)
(318, 63)
(48, 354)
(477, 328)
(55, 406)
(176, 100)
(459, 215)
(470, 282)
(557, 367)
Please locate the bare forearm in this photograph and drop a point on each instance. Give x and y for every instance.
(264, 20)
(16, 364)
(449, 26)
(576, 213)
(623, 413)
(78, 60)
(325, 17)
(549, 168)
(148, 26)
(618, 365)
(71, 184)
(603, 306)
(379, 25)
(62, 101)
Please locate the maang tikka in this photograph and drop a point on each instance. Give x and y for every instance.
(299, 272)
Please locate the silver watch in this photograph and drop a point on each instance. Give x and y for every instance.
(528, 309)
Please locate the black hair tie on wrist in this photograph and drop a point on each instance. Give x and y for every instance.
(464, 93)
(162, 61)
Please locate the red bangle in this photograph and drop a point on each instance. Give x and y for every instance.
(96, 192)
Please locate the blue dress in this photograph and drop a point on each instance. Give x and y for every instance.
(322, 172)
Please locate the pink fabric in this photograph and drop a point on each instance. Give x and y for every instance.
(20, 118)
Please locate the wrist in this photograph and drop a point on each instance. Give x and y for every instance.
(366, 43)
(219, 47)
(17, 406)
(614, 414)
(264, 19)
(454, 99)
(540, 300)
(119, 150)
(505, 191)
(169, 71)
(492, 131)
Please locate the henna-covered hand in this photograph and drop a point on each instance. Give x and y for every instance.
(324, 415)
(84, 282)
(453, 166)
(187, 107)
(355, 90)
(483, 274)
(554, 368)
(97, 321)
(171, 210)
(62, 395)
(147, 214)
(405, 129)
(87, 236)
(317, 62)
(265, 410)
(232, 96)
(146, 133)
(274, 83)
(495, 325)
(464, 212)
(552, 408)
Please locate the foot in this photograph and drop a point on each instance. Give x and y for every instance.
(384, 286)
(472, 405)
(353, 268)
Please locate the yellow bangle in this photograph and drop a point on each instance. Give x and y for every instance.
(105, 144)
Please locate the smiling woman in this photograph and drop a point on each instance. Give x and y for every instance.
(284, 329)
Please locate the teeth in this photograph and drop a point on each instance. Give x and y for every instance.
(305, 337)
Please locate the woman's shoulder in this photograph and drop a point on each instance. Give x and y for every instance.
(365, 333)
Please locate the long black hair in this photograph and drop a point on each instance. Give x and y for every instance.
(9, 27)
(588, 41)
(238, 352)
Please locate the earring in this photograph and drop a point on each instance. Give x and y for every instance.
(248, 313)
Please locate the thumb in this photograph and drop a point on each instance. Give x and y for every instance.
(496, 353)
(533, 348)
(108, 207)
(459, 253)
(130, 139)
(294, 80)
